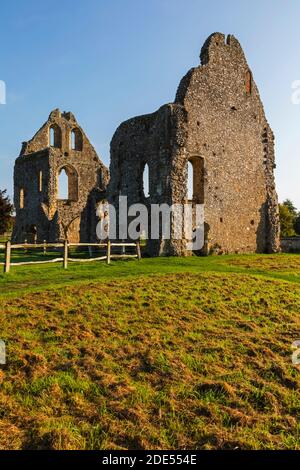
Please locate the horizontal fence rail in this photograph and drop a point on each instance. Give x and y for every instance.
(65, 246)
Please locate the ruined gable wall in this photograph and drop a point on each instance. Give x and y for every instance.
(217, 116)
(91, 179)
(228, 128)
(151, 139)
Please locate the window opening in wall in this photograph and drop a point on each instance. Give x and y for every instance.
(68, 184)
(76, 140)
(195, 184)
(146, 181)
(55, 136)
(248, 83)
(40, 181)
(21, 198)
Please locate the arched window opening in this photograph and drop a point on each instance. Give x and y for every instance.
(51, 136)
(248, 83)
(21, 198)
(195, 183)
(146, 181)
(67, 184)
(63, 185)
(55, 136)
(73, 140)
(76, 140)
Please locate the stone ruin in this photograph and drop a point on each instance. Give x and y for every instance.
(59, 147)
(216, 124)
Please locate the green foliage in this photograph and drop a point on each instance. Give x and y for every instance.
(286, 221)
(289, 219)
(292, 209)
(6, 210)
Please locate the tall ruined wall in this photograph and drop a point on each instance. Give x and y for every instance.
(227, 127)
(26, 181)
(146, 140)
(37, 173)
(218, 123)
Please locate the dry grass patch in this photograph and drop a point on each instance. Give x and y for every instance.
(277, 263)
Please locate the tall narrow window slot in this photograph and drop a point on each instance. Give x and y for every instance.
(73, 140)
(52, 137)
(40, 181)
(76, 141)
(21, 198)
(195, 183)
(146, 183)
(248, 83)
(190, 185)
(55, 136)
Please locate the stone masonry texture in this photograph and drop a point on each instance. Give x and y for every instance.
(40, 214)
(217, 122)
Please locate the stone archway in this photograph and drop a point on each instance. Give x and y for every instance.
(71, 182)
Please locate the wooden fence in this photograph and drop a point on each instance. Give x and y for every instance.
(65, 258)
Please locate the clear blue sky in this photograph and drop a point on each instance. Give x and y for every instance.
(108, 60)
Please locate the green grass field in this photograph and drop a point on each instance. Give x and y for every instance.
(165, 353)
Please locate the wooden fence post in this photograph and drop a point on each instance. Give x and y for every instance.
(138, 250)
(108, 252)
(45, 247)
(25, 243)
(7, 257)
(66, 250)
